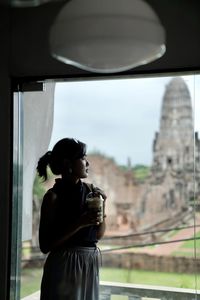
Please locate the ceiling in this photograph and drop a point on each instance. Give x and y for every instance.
(29, 49)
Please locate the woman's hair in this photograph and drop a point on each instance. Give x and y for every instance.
(66, 148)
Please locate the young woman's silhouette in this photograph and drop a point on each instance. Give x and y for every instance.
(69, 231)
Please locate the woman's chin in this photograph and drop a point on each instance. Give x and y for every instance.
(85, 175)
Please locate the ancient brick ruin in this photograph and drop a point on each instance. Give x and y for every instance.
(166, 194)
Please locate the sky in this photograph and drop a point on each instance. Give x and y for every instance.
(118, 117)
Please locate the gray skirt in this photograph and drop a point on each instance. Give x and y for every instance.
(71, 274)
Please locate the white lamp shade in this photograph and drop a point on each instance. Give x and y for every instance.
(107, 36)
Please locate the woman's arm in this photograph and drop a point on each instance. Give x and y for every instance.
(49, 239)
(101, 229)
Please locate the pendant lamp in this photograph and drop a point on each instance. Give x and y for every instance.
(107, 36)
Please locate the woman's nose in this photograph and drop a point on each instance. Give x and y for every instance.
(87, 163)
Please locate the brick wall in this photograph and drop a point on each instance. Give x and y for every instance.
(141, 261)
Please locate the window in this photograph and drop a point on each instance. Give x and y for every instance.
(119, 120)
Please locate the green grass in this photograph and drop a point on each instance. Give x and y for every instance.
(31, 278)
(190, 244)
(171, 234)
(30, 281)
(186, 254)
(148, 277)
(187, 248)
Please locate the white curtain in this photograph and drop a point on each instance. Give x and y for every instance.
(38, 124)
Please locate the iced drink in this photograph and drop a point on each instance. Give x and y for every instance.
(96, 203)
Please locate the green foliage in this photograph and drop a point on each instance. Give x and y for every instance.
(139, 167)
(49, 173)
(38, 188)
(141, 172)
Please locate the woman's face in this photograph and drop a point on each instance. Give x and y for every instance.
(80, 167)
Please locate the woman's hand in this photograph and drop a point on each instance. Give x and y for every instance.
(90, 217)
(97, 191)
(102, 226)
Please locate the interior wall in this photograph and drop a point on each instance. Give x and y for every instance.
(30, 54)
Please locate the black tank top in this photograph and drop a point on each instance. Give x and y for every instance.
(71, 203)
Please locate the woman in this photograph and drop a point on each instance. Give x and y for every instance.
(69, 231)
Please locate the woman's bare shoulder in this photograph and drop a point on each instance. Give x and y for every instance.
(49, 198)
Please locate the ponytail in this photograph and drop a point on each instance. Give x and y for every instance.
(42, 165)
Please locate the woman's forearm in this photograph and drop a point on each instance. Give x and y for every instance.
(101, 230)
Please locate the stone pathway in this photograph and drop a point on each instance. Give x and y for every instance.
(168, 249)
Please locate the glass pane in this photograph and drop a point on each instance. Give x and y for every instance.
(196, 203)
(17, 198)
(141, 139)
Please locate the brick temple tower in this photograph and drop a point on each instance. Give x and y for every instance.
(173, 184)
(174, 144)
(176, 148)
